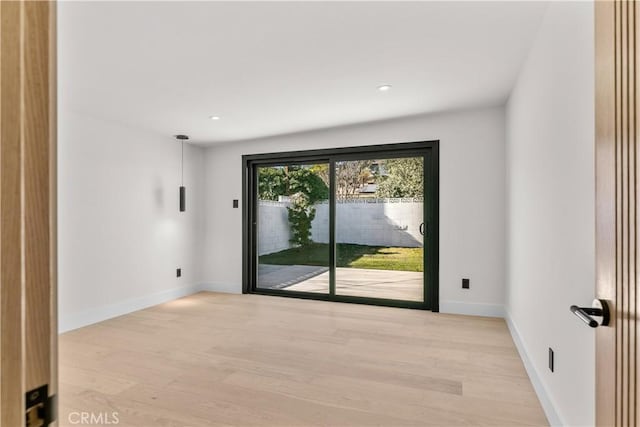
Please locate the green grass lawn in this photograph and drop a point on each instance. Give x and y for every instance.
(348, 255)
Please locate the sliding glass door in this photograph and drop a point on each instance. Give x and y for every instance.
(353, 225)
(379, 224)
(292, 235)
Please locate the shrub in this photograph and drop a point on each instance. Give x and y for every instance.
(301, 214)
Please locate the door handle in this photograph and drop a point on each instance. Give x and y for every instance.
(422, 228)
(599, 308)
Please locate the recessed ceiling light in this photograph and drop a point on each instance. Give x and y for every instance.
(214, 117)
(384, 88)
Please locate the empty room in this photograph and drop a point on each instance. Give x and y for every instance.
(319, 213)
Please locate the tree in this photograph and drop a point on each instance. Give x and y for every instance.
(350, 176)
(322, 170)
(288, 180)
(403, 178)
(272, 182)
(304, 180)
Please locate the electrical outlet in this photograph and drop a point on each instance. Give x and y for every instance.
(465, 284)
(178, 272)
(551, 361)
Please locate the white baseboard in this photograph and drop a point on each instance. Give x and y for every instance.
(222, 287)
(545, 400)
(472, 308)
(68, 322)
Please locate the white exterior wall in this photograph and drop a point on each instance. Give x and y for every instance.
(273, 227)
(374, 223)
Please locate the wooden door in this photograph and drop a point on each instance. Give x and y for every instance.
(28, 329)
(617, 197)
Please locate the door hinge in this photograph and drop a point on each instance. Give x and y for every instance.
(40, 407)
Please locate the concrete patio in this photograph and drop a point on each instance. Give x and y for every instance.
(388, 284)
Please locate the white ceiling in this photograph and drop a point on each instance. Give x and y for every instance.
(269, 68)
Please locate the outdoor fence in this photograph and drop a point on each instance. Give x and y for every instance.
(273, 227)
(372, 222)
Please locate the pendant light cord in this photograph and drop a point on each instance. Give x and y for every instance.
(182, 165)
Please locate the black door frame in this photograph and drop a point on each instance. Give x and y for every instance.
(428, 149)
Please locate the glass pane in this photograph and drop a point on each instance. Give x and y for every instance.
(293, 227)
(379, 216)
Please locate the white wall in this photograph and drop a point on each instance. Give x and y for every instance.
(551, 199)
(274, 231)
(472, 205)
(373, 222)
(120, 233)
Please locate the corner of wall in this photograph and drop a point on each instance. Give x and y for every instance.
(69, 322)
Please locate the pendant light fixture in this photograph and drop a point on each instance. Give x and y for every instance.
(183, 190)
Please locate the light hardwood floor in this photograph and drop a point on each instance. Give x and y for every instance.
(244, 360)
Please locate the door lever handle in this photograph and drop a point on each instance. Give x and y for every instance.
(585, 313)
(599, 308)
